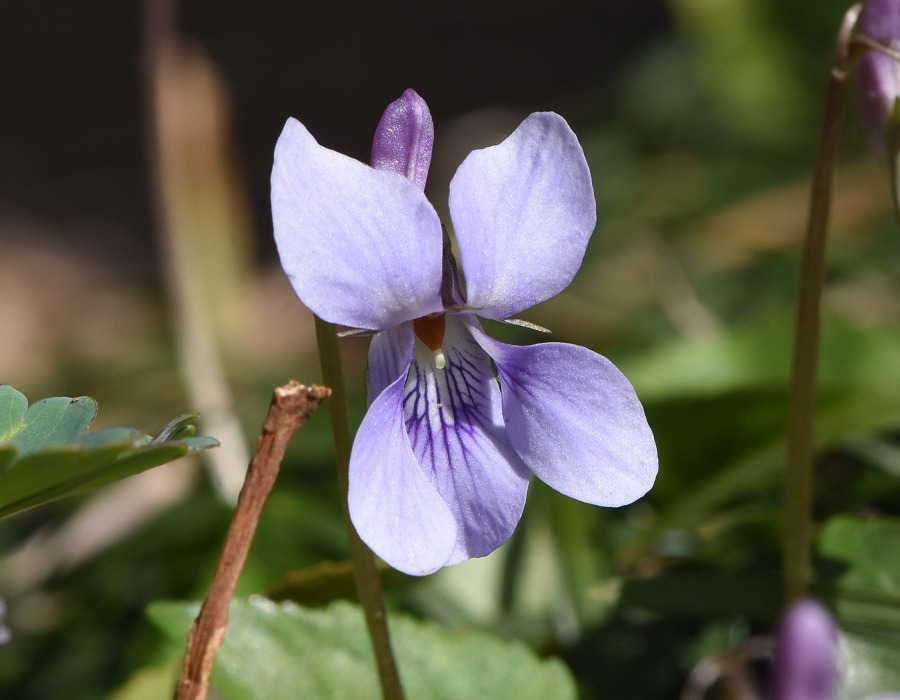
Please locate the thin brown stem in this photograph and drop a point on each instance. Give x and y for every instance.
(365, 572)
(291, 407)
(798, 477)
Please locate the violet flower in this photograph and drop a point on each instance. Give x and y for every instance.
(458, 421)
(879, 77)
(805, 661)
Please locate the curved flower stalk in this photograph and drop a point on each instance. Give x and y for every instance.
(458, 421)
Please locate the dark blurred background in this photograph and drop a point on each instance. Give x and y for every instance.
(71, 110)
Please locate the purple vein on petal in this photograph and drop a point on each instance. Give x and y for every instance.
(454, 421)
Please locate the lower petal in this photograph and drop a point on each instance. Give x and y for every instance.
(455, 426)
(575, 420)
(394, 506)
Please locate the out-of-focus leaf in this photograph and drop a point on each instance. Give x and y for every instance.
(758, 355)
(869, 548)
(860, 564)
(328, 581)
(707, 595)
(845, 419)
(148, 682)
(870, 665)
(274, 651)
(739, 48)
(46, 455)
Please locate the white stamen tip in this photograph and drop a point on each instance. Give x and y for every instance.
(440, 361)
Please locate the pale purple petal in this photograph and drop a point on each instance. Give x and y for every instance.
(404, 138)
(523, 212)
(575, 421)
(362, 247)
(390, 355)
(805, 661)
(453, 416)
(393, 505)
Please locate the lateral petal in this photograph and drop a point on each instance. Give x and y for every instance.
(362, 247)
(455, 425)
(390, 355)
(575, 420)
(523, 212)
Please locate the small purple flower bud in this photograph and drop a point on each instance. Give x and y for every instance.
(879, 76)
(5, 634)
(404, 138)
(805, 663)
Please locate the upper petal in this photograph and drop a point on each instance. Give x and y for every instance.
(575, 420)
(523, 212)
(362, 247)
(455, 425)
(404, 138)
(394, 506)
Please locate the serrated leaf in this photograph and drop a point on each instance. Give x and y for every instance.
(52, 422)
(273, 651)
(48, 456)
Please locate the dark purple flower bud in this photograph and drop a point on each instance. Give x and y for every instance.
(805, 663)
(879, 76)
(404, 138)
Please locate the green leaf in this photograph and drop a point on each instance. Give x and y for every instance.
(46, 455)
(13, 406)
(149, 682)
(274, 651)
(863, 547)
(51, 422)
(860, 568)
(871, 666)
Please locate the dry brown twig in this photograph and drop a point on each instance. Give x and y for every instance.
(291, 407)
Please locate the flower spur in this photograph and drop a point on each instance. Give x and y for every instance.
(458, 421)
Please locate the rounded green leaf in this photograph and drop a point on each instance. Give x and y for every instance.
(273, 651)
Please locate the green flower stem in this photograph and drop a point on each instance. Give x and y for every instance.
(798, 477)
(365, 572)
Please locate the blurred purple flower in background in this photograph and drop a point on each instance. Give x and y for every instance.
(458, 421)
(879, 77)
(5, 634)
(805, 662)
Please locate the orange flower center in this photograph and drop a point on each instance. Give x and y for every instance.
(430, 330)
